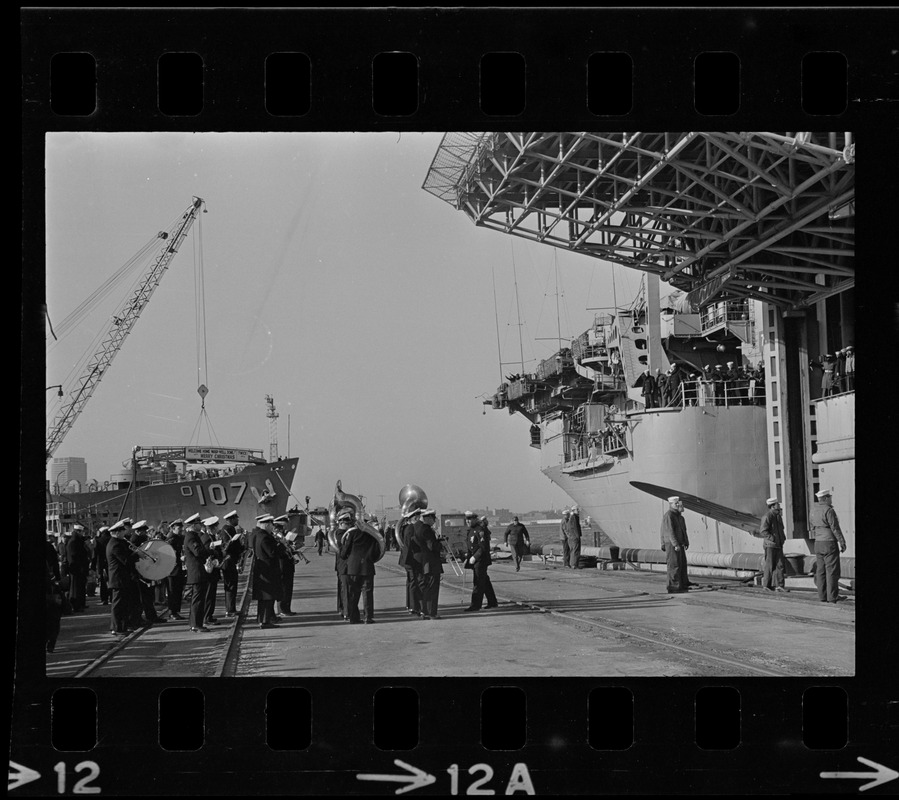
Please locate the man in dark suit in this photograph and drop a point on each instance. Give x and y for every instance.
(648, 384)
(195, 555)
(120, 559)
(234, 551)
(427, 556)
(266, 571)
(360, 550)
(518, 540)
(176, 577)
(78, 563)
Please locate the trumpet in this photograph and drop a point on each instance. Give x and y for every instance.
(296, 553)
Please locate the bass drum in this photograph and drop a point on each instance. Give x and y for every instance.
(157, 562)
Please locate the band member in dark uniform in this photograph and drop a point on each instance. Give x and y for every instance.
(212, 541)
(145, 589)
(408, 561)
(675, 543)
(427, 555)
(288, 567)
(100, 566)
(340, 569)
(234, 550)
(120, 560)
(176, 578)
(360, 551)
(479, 560)
(54, 595)
(78, 563)
(266, 571)
(195, 555)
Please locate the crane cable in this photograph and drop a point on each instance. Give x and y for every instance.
(201, 339)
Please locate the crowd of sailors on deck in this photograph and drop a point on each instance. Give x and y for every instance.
(837, 371)
(722, 385)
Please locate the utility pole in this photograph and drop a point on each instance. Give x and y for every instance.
(272, 428)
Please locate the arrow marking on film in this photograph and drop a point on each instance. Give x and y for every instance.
(19, 776)
(880, 775)
(416, 779)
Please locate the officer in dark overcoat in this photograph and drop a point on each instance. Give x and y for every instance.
(234, 549)
(675, 543)
(479, 560)
(120, 560)
(195, 555)
(176, 578)
(427, 556)
(266, 571)
(77, 563)
(360, 550)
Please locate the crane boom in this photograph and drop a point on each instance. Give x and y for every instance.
(119, 328)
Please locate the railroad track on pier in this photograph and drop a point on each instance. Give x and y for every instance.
(742, 664)
(226, 663)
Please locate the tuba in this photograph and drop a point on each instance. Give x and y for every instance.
(343, 500)
(412, 498)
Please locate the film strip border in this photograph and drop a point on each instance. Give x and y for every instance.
(431, 68)
(435, 69)
(561, 736)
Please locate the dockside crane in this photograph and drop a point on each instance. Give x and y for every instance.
(119, 328)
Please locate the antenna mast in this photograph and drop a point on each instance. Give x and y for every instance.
(272, 428)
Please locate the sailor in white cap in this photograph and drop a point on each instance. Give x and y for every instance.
(266, 571)
(675, 543)
(123, 595)
(213, 543)
(829, 543)
(100, 564)
(196, 554)
(77, 561)
(235, 549)
(772, 532)
(175, 580)
(288, 566)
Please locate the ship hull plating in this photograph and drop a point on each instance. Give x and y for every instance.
(257, 489)
(717, 453)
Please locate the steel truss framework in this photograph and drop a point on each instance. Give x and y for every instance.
(718, 215)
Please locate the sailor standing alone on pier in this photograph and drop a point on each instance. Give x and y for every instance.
(675, 544)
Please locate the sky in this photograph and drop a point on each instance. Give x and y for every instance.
(334, 283)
